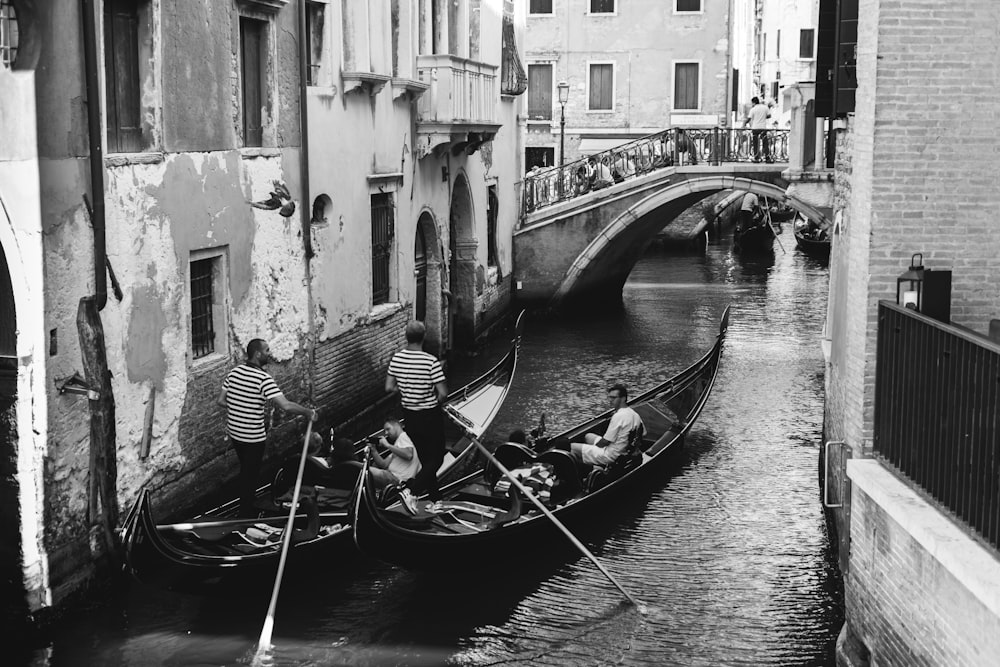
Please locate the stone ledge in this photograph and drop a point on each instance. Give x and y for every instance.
(969, 562)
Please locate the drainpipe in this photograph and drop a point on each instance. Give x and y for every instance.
(304, 75)
(96, 141)
(306, 209)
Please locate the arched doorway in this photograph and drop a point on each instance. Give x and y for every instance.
(428, 305)
(14, 608)
(462, 267)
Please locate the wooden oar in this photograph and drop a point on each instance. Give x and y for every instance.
(264, 642)
(558, 524)
(767, 216)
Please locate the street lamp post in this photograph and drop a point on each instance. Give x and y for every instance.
(563, 88)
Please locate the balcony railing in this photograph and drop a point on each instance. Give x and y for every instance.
(672, 147)
(461, 91)
(937, 404)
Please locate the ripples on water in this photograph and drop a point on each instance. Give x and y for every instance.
(729, 556)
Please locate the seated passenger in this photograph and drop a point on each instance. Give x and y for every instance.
(518, 437)
(602, 450)
(400, 463)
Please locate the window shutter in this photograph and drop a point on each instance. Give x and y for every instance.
(540, 92)
(686, 86)
(601, 94)
(121, 70)
(251, 48)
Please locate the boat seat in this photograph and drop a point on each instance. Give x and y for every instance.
(628, 460)
(567, 474)
(511, 455)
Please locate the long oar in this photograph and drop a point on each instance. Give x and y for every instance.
(572, 538)
(767, 215)
(264, 642)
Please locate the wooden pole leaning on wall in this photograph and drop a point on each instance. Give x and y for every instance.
(102, 506)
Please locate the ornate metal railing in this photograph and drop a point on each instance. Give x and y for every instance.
(937, 413)
(672, 147)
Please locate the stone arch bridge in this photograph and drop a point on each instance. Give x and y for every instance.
(584, 248)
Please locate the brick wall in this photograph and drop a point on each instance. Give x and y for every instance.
(207, 458)
(350, 369)
(916, 172)
(491, 306)
(905, 606)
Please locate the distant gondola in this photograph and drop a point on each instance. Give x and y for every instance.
(217, 541)
(758, 238)
(811, 238)
(481, 519)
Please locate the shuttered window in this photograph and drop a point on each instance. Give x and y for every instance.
(602, 83)
(382, 234)
(492, 211)
(540, 92)
(806, 43)
(252, 72)
(686, 86)
(121, 75)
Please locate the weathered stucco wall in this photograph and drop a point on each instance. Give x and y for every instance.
(21, 240)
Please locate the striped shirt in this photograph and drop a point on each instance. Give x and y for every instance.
(416, 373)
(247, 389)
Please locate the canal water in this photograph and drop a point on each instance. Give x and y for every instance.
(728, 555)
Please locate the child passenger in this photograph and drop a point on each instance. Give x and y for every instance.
(400, 462)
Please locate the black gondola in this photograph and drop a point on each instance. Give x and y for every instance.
(480, 519)
(811, 238)
(217, 541)
(757, 238)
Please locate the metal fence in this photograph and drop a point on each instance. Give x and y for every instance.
(672, 147)
(937, 403)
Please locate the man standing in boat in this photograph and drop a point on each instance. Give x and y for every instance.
(603, 450)
(418, 378)
(749, 209)
(245, 391)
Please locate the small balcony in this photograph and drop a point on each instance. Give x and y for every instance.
(459, 110)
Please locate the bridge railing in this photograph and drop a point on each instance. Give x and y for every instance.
(671, 147)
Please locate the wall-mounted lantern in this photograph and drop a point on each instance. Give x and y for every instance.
(910, 284)
(924, 290)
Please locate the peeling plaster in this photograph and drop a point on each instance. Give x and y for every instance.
(212, 213)
(144, 355)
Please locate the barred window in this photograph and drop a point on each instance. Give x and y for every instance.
(382, 234)
(202, 302)
(8, 34)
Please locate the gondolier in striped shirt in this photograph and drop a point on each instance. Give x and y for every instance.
(245, 392)
(418, 378)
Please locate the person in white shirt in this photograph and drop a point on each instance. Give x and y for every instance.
(400, 462)
(604, 449)
(748, 212)
(757, 120)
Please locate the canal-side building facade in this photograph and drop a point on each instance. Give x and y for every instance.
(316, 197)
(633, 67)
(911, 465)
(786, 51)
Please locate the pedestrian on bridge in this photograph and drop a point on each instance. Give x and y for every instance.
(757, 120)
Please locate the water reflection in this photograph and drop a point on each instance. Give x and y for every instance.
(728, 552)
